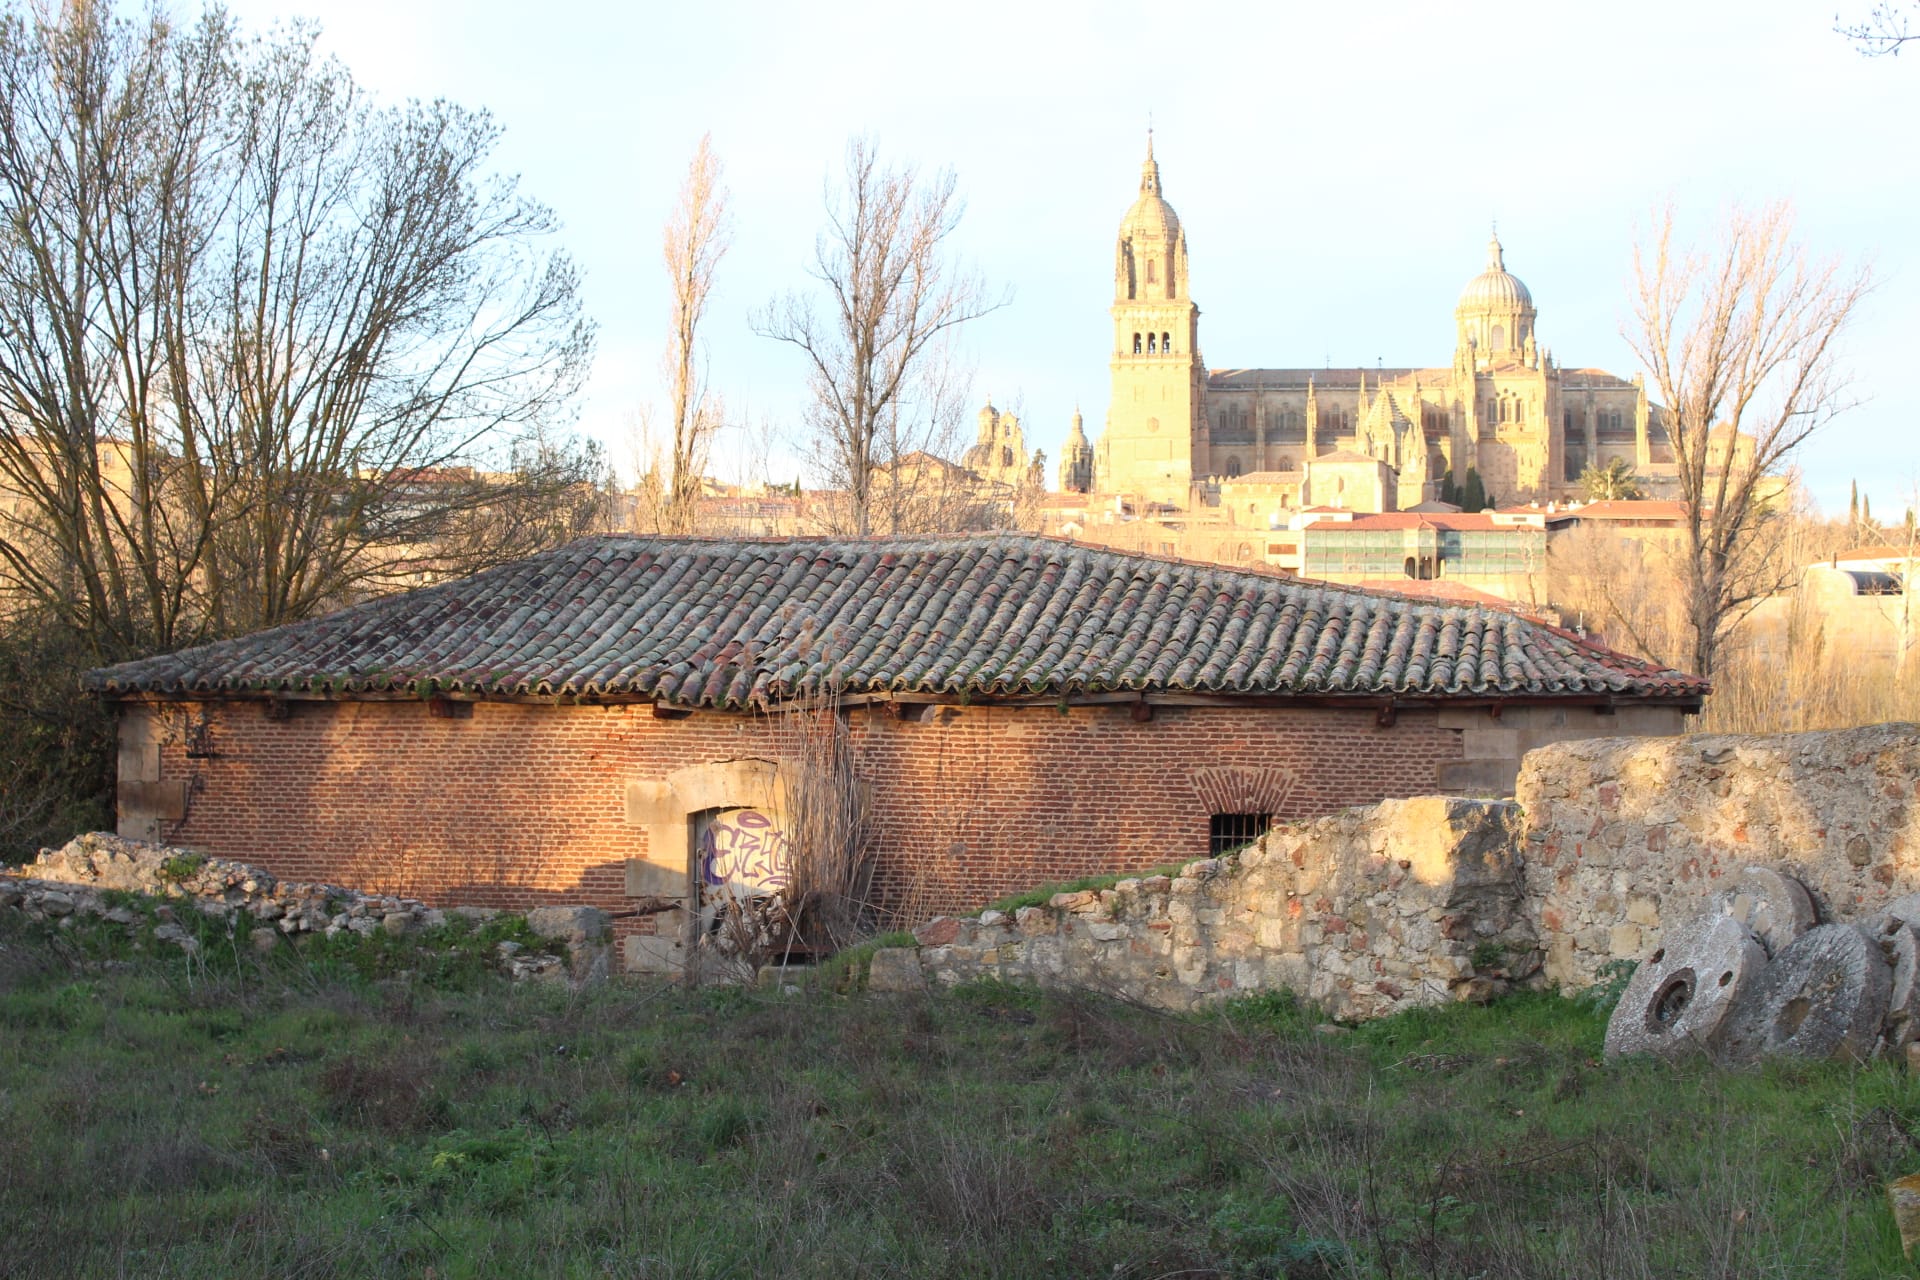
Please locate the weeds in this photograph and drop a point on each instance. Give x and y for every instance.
(306, 1116)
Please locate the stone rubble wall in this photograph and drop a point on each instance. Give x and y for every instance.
(82, 877)
(1416, 902)
(1625, 837)
(1363, 912)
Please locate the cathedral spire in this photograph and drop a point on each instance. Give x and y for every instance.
(1496, 260)
(1150, 171)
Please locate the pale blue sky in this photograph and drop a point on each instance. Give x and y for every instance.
(1335, 165)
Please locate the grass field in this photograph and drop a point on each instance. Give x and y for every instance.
(304, 1116)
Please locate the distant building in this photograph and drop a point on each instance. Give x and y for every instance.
(1503, 407)
(1502, 557)
(1000, 452)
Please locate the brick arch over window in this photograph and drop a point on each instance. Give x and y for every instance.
(1242, 788)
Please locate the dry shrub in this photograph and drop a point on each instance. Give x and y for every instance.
(175, 1161)
(828, 902)
(284, 1143)
(1807, 685)
(973, 1188)
(394, 1095)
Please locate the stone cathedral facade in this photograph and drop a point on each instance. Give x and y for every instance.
(1504, 407)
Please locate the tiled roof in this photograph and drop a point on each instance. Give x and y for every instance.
(1448, 589)
(732, 624)
(1625, 509)
(1885, 551)
(1462, 521)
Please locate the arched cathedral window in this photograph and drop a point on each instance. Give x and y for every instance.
(1152, 346)
(1136, 344)
(1151, 279)
(1166, 343)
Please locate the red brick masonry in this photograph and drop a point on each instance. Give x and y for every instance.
(524, 803)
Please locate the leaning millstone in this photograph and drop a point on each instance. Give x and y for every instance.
(1775, 907)
(1678, 997)
(1823, 996)
(1905, 908)
(1900, 944)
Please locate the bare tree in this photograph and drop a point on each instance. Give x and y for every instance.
(1885, 30)
(1740, 340)
(261, 341)
(697, 237)
(873, 360)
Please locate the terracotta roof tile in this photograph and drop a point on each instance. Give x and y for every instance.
(738, 623)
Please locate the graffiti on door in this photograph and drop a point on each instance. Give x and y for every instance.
(743, 852)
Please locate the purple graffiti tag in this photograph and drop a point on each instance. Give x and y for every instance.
(744, 850)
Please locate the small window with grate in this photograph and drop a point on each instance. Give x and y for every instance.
(1228, 831)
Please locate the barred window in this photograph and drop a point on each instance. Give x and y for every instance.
(1228, 831)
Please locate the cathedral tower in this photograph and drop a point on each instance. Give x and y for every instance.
(1076, 461)
(1156, 424)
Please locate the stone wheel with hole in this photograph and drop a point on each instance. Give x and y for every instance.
(1823, 996)
(1775, 907)
(1676, 999)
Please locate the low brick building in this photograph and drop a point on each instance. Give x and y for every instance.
(592, 723)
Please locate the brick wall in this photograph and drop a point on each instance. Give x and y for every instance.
(524, 803)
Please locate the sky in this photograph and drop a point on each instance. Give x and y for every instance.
(1336, 167)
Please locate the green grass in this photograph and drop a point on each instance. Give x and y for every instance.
(313, 1116)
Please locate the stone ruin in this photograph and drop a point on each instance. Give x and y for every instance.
(81, 878)
(1754, 975)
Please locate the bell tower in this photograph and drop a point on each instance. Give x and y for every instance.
(1156, 435)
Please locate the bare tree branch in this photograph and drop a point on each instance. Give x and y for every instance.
(697, 237)
(893, 297)
(1885, 31)
(1740, 341)
(243, 314)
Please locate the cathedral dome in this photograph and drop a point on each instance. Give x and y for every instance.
(1496, 288)
(1150, 217)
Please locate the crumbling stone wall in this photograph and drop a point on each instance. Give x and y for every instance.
(1610, 843)
(1366, 911)
(83, 877)
(1625, 837)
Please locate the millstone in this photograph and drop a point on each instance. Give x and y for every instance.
(1905, 908)
(1823, 996)
(1676, 999)
(1900, 944)
(1776, 908)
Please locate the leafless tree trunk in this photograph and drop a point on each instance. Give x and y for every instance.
(894, 297)
(697, 237)
(1740, 341)
(263, 346)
